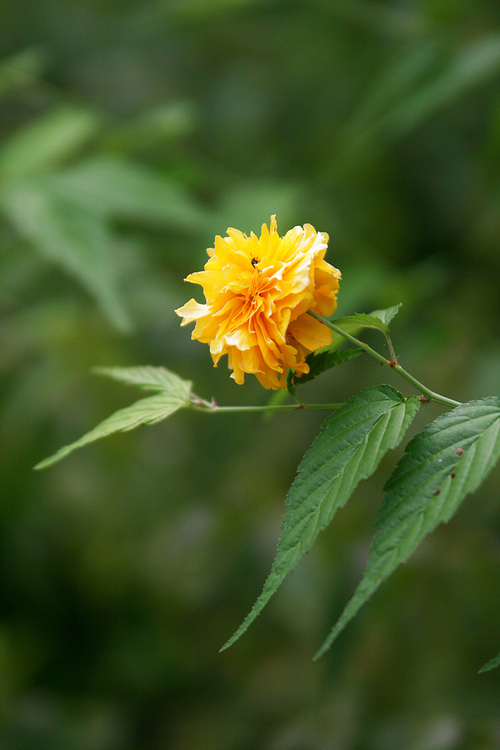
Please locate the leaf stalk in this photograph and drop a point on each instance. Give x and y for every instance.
(211, 407)
(432, 395)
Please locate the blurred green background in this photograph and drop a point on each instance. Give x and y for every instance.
(132, 131)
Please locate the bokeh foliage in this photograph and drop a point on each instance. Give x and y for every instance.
(131, 133)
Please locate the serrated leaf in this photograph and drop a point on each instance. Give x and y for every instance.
(360, 321)
(149, 378)
(318, 363)
(146, 411)
(348, 449)
(387, 314)
(354, 324)
(442, 464)
(491, 664)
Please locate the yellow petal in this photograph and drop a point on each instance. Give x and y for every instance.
(310, 332)
(191, 311)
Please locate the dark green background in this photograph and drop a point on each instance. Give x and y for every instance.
(132, 131)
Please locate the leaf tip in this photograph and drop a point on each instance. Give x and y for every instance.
(100, 370)
(492, 664)
(230, 642)
(44, 463)
(325, 646)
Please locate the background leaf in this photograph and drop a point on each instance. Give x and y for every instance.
(47, 141)
(22, 69)
(77, 240)
(495, 662)
(348, 449)
(125, 190)
(442, 464)
(473, 63)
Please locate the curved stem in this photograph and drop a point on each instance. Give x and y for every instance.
(423, 389)
(384, 361)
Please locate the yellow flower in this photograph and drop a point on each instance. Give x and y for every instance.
(258, 291)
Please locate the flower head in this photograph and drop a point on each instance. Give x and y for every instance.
(258, 291)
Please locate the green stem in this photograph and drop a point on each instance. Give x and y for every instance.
(206, 406)
(384, 361)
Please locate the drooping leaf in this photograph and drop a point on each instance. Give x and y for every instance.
(491, 664)
(47, 141)
(412, 89)
(473, 63)
(125, 190)
(76, 239)
(354, 324)
(318, 363)
(146, 411)
(442, 464)
(348, 449)
(149, 378)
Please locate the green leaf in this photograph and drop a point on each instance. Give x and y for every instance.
(47, 141)
(174, 393)
(386, 315)
(152, 128)
(397, 80)
(474, 63)
(318, 363)
(76, 239)
(22, 69)
(203, 10)
(125, 190)
(491, 664)
(354, 324)
(149, 378)
(348, 449)
(360, 321)
(146, 411)
(442, 464)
